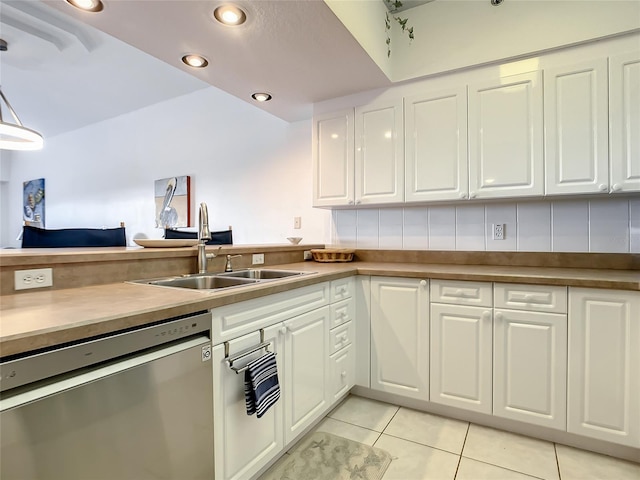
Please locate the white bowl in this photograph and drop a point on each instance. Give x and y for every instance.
(294, 240)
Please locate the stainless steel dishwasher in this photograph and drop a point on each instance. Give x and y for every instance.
(137, 404)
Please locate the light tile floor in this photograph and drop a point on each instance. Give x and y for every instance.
(425, 446)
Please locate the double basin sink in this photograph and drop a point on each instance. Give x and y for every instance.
(217, 281)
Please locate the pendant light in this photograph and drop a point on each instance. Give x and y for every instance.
(15, 136)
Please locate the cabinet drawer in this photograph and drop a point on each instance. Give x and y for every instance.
(461, 293)
(342, 312)
(537, 298)
(342, 289)
(237, 319)
(341, 336)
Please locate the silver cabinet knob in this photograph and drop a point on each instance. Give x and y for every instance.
(473, 194)
(603, 187)
(463, 195)
(617, 187)
(423, 283)
(499, 316)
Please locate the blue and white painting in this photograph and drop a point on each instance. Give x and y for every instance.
(33, 202)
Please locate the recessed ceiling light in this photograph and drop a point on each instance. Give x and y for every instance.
(195, 61)
(87, 5)
(261, 97)
(230, 15)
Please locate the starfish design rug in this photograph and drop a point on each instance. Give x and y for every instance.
(323, 456)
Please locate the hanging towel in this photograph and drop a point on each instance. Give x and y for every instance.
(261, 388)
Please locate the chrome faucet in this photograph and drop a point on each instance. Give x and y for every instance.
(204, 234)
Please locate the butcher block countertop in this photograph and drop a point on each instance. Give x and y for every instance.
(38, 319)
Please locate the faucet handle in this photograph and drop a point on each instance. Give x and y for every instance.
(227, 267)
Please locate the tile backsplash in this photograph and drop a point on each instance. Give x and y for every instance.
(597, 225)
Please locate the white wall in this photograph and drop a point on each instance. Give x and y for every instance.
(252, 169)
(600, 225)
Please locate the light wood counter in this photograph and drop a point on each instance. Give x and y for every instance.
(30, 321)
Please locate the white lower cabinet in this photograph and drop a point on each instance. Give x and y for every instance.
(604, 365)
(461, 347)
(243, 444)
(530, 367)
(304, 371)
(400, 336)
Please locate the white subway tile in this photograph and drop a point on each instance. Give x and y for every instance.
(390, 229)
(534, 227)
(416, 228)
(609, 225)
(442, 228)
(368, 231)
(570, 226)
(470, 228)
(496, 214)
(634, 225)
(344, 228)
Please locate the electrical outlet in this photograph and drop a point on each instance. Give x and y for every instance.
(499, 231)
(297, 222)
(36, 278)
(257, 259)
(308, 255)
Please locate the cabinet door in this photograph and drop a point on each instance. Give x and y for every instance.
(461, 356)
(604, 365)
(576, 128)
(436, 146)
(530, 367)
(400, 336)
(624, 113)
(505, 137)
(342, 369)
(243, 444)
(333, 159)
(379, 153)
(305, 370)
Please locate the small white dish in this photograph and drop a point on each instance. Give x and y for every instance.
(295, 240)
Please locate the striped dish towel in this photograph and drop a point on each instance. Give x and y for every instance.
(261, 388)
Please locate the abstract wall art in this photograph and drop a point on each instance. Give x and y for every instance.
(173, 202)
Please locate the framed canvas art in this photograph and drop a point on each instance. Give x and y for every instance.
(173, 202)
(33, 202)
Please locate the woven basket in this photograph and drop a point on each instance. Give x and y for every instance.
(329, 255)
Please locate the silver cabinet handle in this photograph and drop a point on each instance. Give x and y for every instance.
(423, 283)
(472, 194)
(463, 195)
(603, 187)
(617, 187)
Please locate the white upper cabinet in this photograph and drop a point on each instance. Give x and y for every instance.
(379, 169)
(624, 105)
(436, 146)
(576, 128)
(506, 137)
(333, 159)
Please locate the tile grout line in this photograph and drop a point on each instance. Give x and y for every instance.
(555, 451)
(462, 450)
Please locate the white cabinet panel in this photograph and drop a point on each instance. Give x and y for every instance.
(436, 146)
(243, 444)
(342, 373)
(624, 112)
(379, 170)
(400, 336)
(333, 159)
(538, 298)
(505, 137)
(305, 370)
(530, 367)
(604, 365)
(461, 346)
(576, 128)
(461, 292)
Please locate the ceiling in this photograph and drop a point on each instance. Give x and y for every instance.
(66, 68)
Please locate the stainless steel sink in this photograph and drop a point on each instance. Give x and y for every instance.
(217, 281)
(261, 274)
(200, 282)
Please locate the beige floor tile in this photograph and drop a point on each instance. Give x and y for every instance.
(411, 461)
(347, 430)
(470, 469)
(365, 413)
(432, 430)
(515, 452)
(583, 465)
